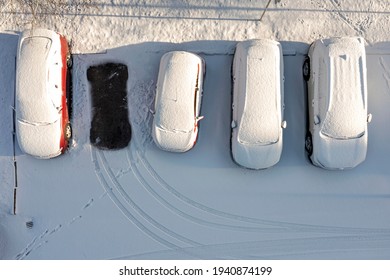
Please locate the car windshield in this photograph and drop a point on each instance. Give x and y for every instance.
(34, 104)
(175, 104)
(260, 122)
(346, 116)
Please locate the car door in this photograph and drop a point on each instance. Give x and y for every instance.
(55, 80)
(198, 91)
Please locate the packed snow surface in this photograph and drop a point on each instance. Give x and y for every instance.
(143, 203)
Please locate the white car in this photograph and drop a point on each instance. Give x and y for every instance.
(336, 76)
(258, 104)
(178, 101)
(41, 109)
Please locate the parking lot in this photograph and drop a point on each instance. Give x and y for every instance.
(141, 202)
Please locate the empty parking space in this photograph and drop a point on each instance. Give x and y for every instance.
(110, 127)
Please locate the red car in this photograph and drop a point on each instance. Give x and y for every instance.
(41, 110)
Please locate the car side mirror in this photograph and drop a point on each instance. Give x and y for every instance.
(233, 124)
(152, 111)
(199, 118)
(369, 118)
(284, 124)
(316, 119)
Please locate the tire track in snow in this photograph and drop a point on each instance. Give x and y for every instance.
(140, 115)
(138, 209)
(123, 209)
(238, 218)
(167, 204)
(300, 248)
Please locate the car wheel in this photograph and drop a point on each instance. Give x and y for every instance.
(68, 131)
(306, 69)
(309, 144)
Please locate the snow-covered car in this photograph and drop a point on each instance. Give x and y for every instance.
(178, 101)
(336, 76)
(257, 104)
(42, 122)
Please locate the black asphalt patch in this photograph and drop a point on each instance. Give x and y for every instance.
(110, 127)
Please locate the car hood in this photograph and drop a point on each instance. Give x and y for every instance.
(341, 154)
(39, 140)
(256, 156)
(175, 141)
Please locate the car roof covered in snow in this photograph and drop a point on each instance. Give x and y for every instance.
(34, 103)
(259, 88)
(347, 108)
(175, 94)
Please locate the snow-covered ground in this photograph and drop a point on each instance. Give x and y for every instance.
(143, 203)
